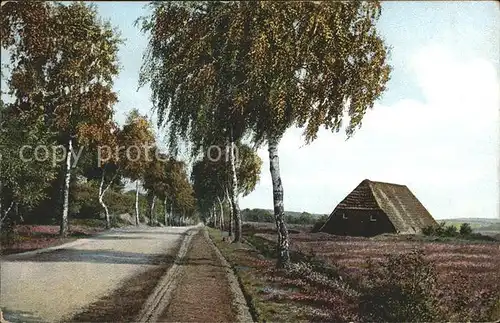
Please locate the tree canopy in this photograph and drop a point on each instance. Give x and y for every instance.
(229, 69)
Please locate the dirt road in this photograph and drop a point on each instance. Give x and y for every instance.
(204, 290)
(53, 285)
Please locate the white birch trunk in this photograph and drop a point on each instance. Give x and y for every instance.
(165, 211)
(4, 214)
(153, 216)
(171, 213)
(279, 210)
(151, 210)
(233, 192)
(137, 203)
(230, 229)
(214, 213)
(63, 229)
(101, 200)
(221, 214)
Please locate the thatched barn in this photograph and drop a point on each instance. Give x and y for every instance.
(374, 208)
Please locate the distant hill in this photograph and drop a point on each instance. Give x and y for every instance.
(266, 215)
(481, 225)
(290, 213)
(486, 221)
(296, 213)
(480, 222)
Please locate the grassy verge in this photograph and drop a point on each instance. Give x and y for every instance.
(272, 295)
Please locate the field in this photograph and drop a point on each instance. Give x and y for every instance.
(270, 227)
(479, 263)
(466, 270)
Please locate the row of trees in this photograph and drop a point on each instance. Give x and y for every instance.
(221, 73)
(62, 62)
(231, 72)
(211, 178)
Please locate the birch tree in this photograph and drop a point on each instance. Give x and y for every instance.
(174, 171)
(190, 87)
(138, 138)
(184, 197)
(308, 64)
(71, 55)
(155, 181)
(21, 122)
(23, 179)
(106, 162)
(84, 67)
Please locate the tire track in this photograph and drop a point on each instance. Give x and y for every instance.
(160, 298)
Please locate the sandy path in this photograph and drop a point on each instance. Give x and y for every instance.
(203, 292)
(51, 286)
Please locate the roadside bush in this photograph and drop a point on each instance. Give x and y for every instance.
(402, 288)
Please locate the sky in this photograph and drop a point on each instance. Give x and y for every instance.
(436, 129)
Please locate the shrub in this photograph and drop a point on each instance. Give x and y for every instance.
(120, 203)
(330, 291)
(450, 231)
(84, 203)
(402, 288)
(465, 229)
(116, 222)
(440, 229)
(443, 230)
(8, 233)
(429, 230)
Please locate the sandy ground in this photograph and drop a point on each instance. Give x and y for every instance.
(51, 286)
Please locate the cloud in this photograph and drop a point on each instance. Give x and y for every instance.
(444, 147)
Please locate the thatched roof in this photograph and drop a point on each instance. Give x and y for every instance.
(402, 208)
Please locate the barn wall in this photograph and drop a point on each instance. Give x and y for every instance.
(358, 223)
